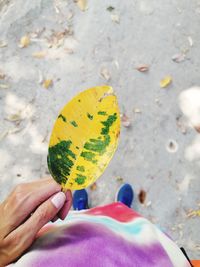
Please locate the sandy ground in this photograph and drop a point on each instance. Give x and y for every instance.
(105, 44)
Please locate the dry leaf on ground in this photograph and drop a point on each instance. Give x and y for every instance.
(120, 180)
(125, 120)
(197, 128)
(47, 83)
(178, 58)
(143, 68)
(82, 4)
(2, 75)
(93, 187)
(57, 38)
(137, 110)
(193, 213)
(3, 44)
(39, 54)
(166, 81)
(190, 40)
(115, 18)
(105, 74)
(142, 196)
(14, 117)
(110, 8)
(4, 86)
(24, 41)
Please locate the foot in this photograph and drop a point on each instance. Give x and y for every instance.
(125, 195)
(80, 200)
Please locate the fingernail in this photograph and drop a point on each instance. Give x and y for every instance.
(58, 200)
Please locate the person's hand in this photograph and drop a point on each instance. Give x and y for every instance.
(25, 211)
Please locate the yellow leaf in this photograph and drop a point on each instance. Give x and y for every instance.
(194, 213)
(115, 18)
(82, 4)
(25, 41)
(39, 54)
(47, 83)
(84, 138)
(166, 81)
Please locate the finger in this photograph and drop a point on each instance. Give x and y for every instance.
(24, 200)
(55, 219)
(66, 207)
(25, 234)
(43, 214)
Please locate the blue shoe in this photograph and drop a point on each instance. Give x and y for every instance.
(125, 195)
(80, 200)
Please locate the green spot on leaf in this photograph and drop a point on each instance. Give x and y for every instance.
(62, 117)
(74, 123)
(89, 156)
(60, 160)
(80, 179)
(108, 123)
(90, 116)
(98, 145)
(80, 168)
(102, 113)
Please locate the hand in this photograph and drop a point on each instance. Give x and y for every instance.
(25, 211)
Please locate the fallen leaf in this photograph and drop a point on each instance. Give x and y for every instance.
(181, 124)
(93, 187)
(148, 204)
(105, 74)
(137, 110)
(24, 41)
(2, 75)
(82, 4)
(115, 18)
(120, 180)
(39, 54)
(4, 134)
(56, 39)
(143, 68)
(179, 58)
(197, 128)
(40, 77)
(166, 81)
(125, 120)
(47, 83)
(190, 41)
(194, 213)
(142, 196)
(110, 8)
(70, 15)
(14, 117)
(36, 34)
(4, 86)
(68, 50)
(3, 44)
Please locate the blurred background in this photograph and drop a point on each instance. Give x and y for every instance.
(149, 51)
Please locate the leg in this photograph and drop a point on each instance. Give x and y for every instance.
(80, 200)
(125, 195)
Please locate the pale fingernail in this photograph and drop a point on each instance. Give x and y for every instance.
(58, 200)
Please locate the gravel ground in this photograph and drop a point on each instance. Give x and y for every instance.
(111, 42)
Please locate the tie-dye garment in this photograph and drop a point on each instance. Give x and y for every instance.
(108, 236)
